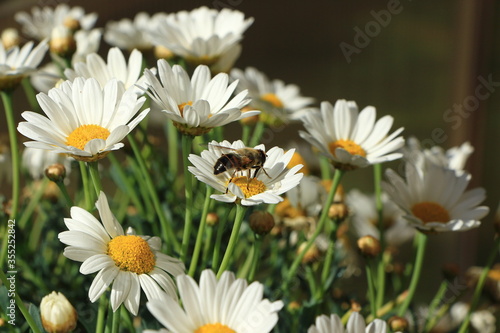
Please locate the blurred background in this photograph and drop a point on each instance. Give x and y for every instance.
(419, 61)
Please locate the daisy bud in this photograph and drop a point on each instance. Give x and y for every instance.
(338, 212)
(311, 255)
(398, 324)
(293, 306)
(212, 219)
(355, 306)
(261, 222)
(56, 172)
(72, 24)
(10, 38)
(161, 52)
(58, 315)
(369, 246)
(62, 42)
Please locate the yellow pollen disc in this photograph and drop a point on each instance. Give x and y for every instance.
(132, 254)
(83, 134)
(272, 99)
(249, 187)
(352, 147)
(214, 328)
(181, 107)
(430, 212)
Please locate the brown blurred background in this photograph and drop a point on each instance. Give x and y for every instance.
(415, 65)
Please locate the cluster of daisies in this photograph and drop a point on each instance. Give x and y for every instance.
(90, 104)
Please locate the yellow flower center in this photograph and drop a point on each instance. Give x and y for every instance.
(131, 253)
(214, 328)
(181, 107)
(352, 147)
(250, 187)
(296, 160)
(272, 99)
(83, 134)
(430, 212)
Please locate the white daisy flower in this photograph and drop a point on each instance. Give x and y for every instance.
(245, 186)
(198, 104)
(454, 158)
(203, 36)
(16, 64)
(124, 262)
(37, 160)
(352, 139)
(130, 34)
(355, 324)
(116, 68)
(227, 305)
(364, 219)
(39, 25)
(272, 97)
(436, 200)
(83, 120)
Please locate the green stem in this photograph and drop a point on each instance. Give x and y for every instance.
(33, 203)
(245, 135)
(377, 170)
(64, 192)
(257, 133)
(327, 264)
(206, 247)
(325, 167)
(130, 191)
(30, 94)
(96, 178)
(218, 240)
(233, 239)
(14, 150)
(101, 314)
(168, 233)
(187, 142)
(438, 298)
(173, 153)
(417, 269)
(115, 325)
(337, 176)
(19, 301)
(480, 285)
(371, 287)
(257, 245)
(201, 231)
(86, 186)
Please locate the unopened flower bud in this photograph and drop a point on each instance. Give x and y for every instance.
(212, 219)
(55, 172)
(72, 24)
(398, 324)
(62, 42)
(369, 246)
(338, 212)
(312, 255)
(293, 306)
(355, 306)
(261, 222)
(58, 315)
(161, 52)
(10, 38)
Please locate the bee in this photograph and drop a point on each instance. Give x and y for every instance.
(241, 159)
